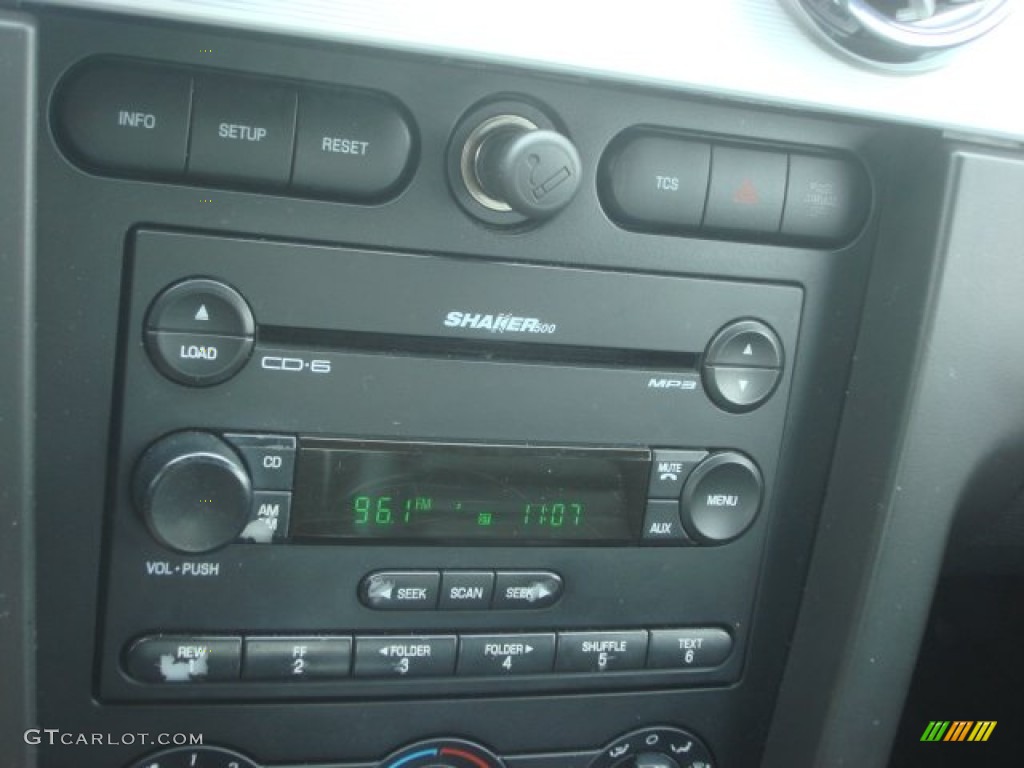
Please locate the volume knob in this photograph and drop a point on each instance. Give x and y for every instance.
(193, 492)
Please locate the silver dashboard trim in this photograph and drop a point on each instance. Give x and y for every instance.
(754, 50)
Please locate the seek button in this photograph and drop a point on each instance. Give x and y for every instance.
(400, 590)
(526, 589)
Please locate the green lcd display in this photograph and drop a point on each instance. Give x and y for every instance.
(484, 494)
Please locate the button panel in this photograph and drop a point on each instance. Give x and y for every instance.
(299, 658)
(127, 117)
(655, 180)
(460, 590)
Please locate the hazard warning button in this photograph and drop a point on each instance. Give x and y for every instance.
(747, 190)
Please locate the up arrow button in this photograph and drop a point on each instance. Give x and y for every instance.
(749, 343)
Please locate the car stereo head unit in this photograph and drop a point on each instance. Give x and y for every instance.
(422, 445)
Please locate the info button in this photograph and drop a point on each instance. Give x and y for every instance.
(400, 590)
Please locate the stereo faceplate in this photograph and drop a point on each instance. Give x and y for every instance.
(410, 350)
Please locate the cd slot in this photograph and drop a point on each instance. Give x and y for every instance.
(492, 349)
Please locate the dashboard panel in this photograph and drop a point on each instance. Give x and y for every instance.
(390, 407)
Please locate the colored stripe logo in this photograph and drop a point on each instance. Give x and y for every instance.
(958, 730)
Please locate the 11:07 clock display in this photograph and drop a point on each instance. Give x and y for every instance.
(478, 494)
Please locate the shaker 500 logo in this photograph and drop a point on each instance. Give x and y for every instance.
(503, 323)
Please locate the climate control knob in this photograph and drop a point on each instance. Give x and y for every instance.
(659, 747)
(195, 757)
(193, 492)
(443, 753)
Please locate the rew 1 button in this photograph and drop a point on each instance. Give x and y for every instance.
(173, 659)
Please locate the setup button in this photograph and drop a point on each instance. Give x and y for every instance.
(400, 590)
